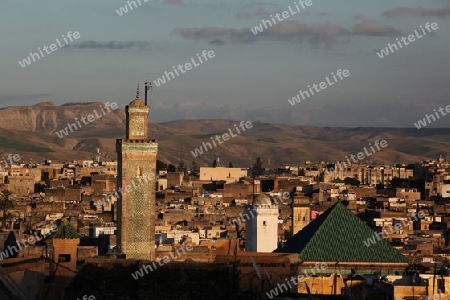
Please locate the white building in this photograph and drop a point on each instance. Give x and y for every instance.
(261, 225)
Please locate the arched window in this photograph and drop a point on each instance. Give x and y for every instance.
(139, 172)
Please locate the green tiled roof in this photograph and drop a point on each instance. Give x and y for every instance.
(338, 236)
(66, 231)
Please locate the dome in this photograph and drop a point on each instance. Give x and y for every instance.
(262, 199)
(137, 103)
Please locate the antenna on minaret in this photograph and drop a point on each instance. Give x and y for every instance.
(148, 86)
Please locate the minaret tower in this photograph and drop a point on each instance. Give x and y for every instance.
(261, 225)
(136, 183)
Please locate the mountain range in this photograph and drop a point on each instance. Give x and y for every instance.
(31, 132)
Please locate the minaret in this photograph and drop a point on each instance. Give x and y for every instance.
(261, 227)
(136, 185)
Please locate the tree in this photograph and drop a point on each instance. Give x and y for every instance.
(171, 168)
(194, 168)
(258, 169)
(5, 204)
(160, 165)
(11, 242)
(181, 167)
(214, 164)
(230, 164)
(337, 180)
(352, 181)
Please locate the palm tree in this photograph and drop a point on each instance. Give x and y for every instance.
(5, 204)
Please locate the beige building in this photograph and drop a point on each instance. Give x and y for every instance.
(415, 287)
(222, 173)
(21, 185)
(301, 214)
(409, 194)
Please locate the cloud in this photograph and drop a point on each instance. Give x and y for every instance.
(112, 45)
(325, 34)
(174, 2)
(258, 3)
(372, 28)
(259, 13)
(235, 35)
(287, 31)
(255, 10)
(417, 11)
(315, 34)
(217, 42)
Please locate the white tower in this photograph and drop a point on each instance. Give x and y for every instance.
(261, 225)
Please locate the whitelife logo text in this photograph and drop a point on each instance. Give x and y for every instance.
(187, 66)
(391, 48)
(423, 122)
(35, 56)
(319, 87)
(284, 15)
(90, 118)
(198, 151)
(358, 157)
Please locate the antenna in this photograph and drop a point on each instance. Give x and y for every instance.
(255, 267)
(148, 86)
(268, 277)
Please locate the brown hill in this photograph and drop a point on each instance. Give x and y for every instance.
(31, 132)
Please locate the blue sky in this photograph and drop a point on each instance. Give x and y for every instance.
(250, 77)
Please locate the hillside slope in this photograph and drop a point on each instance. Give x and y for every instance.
(31, 132)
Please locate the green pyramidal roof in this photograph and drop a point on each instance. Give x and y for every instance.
(338, 235)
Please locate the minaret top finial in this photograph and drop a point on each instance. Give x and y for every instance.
(137, 92)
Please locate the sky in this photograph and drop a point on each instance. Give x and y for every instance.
(251, 77)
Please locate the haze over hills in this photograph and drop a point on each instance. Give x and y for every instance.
(31, 132)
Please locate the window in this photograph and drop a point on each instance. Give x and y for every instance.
(64, 258)
(441, 285)
(264, 223)
(139, 172)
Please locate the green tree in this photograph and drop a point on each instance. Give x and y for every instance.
(258, 169)
(194, 168)
(214, 164)
(230, 164)
(352, 181)
(160, 165)
(181, 167)
(171, 168)
(5, 204)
